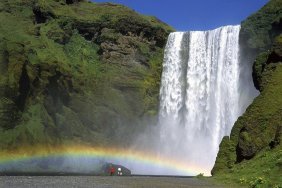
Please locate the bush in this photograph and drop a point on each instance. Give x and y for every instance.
(201, 175)
(258, 182)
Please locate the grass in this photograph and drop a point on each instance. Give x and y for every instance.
(257, 29)
(254, 131)
(264, 170)
(248, 157)
(74, 95)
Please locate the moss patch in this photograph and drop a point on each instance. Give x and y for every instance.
(76, 72)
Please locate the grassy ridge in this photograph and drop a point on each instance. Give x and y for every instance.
(73, 73)
(251, 156)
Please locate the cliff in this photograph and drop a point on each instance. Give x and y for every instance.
(76, 72)
(252, 154)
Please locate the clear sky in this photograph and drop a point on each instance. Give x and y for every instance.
(186, 15)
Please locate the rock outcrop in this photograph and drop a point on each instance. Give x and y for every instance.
(76, 72)
(258, 132)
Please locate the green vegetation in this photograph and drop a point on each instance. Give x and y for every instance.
(71, 73)
(201, 175)
(252, 155)
(264, 170)
(260, 29)
(74, 71)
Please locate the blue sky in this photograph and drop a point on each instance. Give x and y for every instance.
(186, 15)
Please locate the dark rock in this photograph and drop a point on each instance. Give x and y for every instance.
(278, 137)
(276, 53)
(245, 149)
(41, 15)
(73, 1)
(24, 89)
(9, 115)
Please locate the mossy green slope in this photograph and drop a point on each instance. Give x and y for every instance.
(252, 153)
(259, 30)
(76, 72)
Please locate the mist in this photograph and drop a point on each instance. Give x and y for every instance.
(206, 85)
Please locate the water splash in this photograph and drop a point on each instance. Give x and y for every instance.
(200, 93)
(201, 96)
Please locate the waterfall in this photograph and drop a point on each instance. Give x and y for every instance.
(205, 87)
(200, 94)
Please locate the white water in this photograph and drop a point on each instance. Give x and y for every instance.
(200, 94)
(205, 87)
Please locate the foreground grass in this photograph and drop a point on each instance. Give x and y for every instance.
(265, 170)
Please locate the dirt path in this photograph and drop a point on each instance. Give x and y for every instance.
(100, 182)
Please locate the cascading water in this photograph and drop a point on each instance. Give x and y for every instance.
(205, 87)
(200, 94)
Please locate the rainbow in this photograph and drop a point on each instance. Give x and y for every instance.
(111, 154)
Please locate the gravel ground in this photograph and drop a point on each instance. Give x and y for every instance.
(101, 182)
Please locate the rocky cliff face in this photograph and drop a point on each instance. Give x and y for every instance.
(76, 72)
(254, 147)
